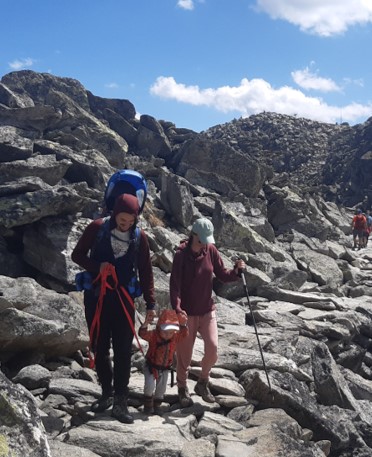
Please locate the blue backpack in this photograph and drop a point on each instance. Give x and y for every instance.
(125, 182)
(121, 182)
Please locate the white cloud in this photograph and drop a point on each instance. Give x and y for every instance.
(21, 64)
(112, 85)
(186, 4)
(256, 95)
(320, 17)
(308, 80)
(356, 82)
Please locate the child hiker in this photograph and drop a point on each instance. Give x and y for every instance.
(170, 329)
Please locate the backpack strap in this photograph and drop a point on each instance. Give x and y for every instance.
(103, 231)
(137, 239)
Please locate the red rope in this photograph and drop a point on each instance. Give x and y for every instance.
(108, 271)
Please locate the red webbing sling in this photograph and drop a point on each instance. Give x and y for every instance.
(108, 271)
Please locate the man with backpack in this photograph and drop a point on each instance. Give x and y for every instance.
(359, 227)
(109, 251)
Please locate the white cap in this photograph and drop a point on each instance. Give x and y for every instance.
(166, 327)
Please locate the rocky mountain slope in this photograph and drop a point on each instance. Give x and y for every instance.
(279, 191)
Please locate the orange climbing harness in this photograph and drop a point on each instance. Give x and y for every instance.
(108, 271)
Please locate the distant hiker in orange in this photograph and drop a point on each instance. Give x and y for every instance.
(359, 227)
(170, 329)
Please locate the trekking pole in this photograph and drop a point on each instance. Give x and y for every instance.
(255, 329)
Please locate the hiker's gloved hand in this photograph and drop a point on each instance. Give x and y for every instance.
(108, 274)
(239, 266)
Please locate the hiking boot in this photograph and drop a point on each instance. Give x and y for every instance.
(104, 402)
(157, 406)
(120, 410)
(184, 397)
(148, 405)
(202, 389)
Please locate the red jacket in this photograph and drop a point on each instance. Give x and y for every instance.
(359, 222)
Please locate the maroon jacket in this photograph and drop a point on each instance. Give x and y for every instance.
(191, 279)
(80, 255)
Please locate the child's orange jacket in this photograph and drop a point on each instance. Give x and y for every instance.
(160, 352)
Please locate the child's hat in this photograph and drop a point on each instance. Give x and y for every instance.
(168, 320)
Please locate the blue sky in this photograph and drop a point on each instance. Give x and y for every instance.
(199, 63)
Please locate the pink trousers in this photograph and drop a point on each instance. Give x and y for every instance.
(206, 325)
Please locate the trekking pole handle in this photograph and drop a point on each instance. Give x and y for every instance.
(242, 275)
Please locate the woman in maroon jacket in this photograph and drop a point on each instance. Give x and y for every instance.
(194, 264)
(98, 250)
